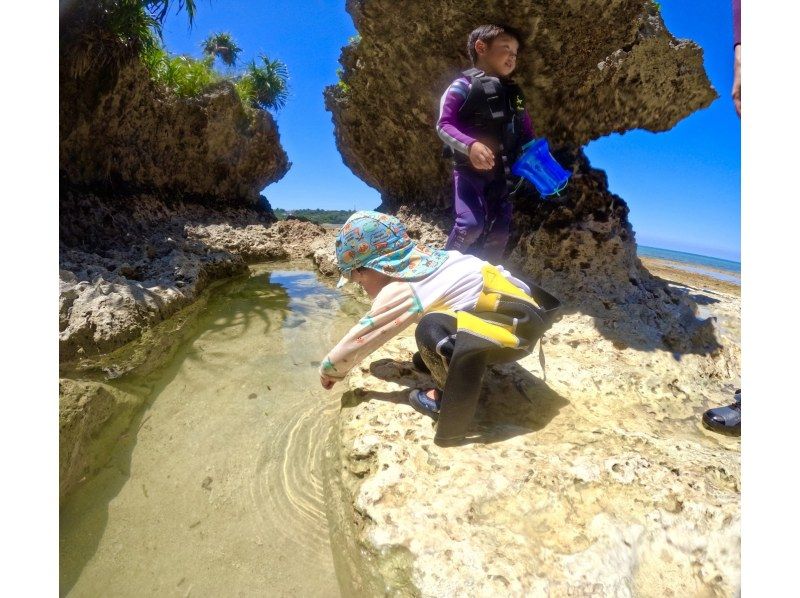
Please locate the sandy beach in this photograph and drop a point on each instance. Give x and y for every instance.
(697, 276)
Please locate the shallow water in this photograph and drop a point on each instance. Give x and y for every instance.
(217, 490)
(723, 276)
(714, 263)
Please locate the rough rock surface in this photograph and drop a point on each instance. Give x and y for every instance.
(130, 262)
(137, 137)
(324, 255)
(597, 480)
(590, 68)
(160, 197)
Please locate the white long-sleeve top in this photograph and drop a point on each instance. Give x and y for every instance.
(455, 285)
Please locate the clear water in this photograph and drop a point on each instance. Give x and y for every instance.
(217, 491)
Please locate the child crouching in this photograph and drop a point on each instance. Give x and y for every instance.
(469, 313)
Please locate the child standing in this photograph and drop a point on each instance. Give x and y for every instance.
(469, 313)
(483, 123)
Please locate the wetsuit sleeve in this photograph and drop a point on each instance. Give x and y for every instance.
(394, 309)
(737, 22)
(527, 127)
(447, 127)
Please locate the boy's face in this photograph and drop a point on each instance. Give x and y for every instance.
(499, 57)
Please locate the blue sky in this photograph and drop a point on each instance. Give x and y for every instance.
(683, 186)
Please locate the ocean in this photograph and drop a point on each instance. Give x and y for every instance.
(701, 264)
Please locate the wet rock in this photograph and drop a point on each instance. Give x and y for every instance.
(136, 261)
(92, 417)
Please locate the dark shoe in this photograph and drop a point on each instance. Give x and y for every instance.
(416, 359)
(424, 404)
(726, 420)
(446, 442)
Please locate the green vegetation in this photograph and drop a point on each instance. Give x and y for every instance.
(222, 46)
(318, 216)
(96, 33)
(264, 86)
(343, 87)
(102, 32)
(184, 76)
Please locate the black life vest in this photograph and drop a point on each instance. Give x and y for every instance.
(493, 111)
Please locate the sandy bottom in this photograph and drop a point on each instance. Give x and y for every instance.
(217, 491)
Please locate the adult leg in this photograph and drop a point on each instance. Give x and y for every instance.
(469, 210)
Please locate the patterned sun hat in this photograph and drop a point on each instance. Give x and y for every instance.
(380, 242)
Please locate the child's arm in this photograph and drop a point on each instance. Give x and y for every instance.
(527, 127)
(393, 310)
(447, 125)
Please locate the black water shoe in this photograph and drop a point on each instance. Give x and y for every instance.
(726, 420)
(420, 401)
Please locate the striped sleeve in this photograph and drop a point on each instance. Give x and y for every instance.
(447, 127)
(393, 310)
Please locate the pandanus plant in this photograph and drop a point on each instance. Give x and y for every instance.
(95, 33)
(264, 83)
(222, 46)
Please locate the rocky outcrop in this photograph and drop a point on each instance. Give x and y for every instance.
(159, 199)
(594, 480)
(136, 137)
(589, 69)
(130, 262)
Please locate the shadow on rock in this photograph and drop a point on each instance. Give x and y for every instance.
(84, 515)
(701, 299)
(513, 402)
(583, 251)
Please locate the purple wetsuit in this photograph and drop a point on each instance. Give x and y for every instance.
(481, 197)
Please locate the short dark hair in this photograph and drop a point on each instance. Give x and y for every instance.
(487, 34)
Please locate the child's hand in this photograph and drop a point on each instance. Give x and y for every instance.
(326, 381)
(480, 156)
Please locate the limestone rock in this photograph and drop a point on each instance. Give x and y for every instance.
(130, 262)
(136, 137)
(590, 68)
(595, 480)
(92, 417)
